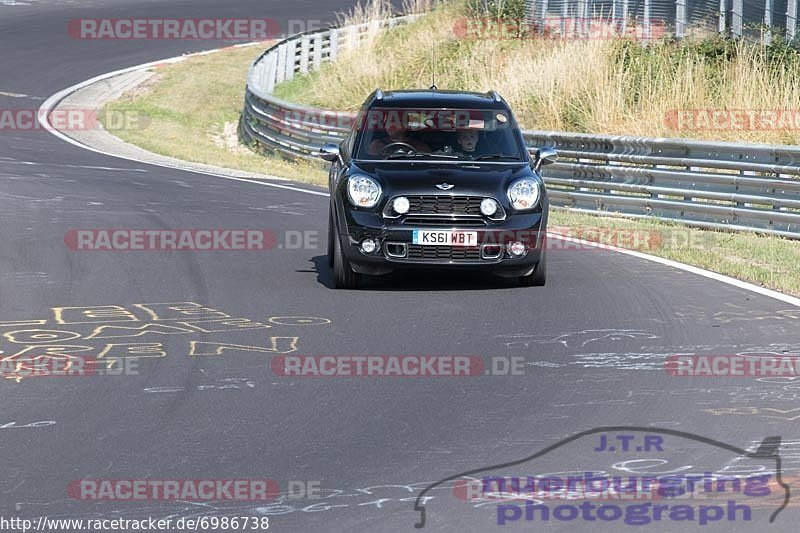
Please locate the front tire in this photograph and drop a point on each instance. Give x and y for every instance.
(331, 237)
(343, 275)
(539, 276)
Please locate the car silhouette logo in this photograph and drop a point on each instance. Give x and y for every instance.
(768, 449)
(444, 186)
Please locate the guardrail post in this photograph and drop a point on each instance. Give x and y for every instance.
(351, 38)
(744, 173)
(767, 22)
(543, 17)
(271, 72)
(256, 76)
(614, 19)
(317, 61)
(736, 18)
(333, 47)
(722, 25)
(374, 28)
(646, 20)
(680, 18)
(625, 14)
(583, 23)
(304, 52)
(280, 73)
(791, 19)
(291, 57)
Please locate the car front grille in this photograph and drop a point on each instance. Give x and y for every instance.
(452, 253)
(445, 205)
(443, 210)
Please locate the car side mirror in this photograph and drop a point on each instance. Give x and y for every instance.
(329, 152)
(545, 156)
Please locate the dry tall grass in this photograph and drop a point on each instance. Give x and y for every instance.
(600, 85)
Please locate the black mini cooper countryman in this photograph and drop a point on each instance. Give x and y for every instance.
(429, 178)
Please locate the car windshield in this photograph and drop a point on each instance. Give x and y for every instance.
(446, 134)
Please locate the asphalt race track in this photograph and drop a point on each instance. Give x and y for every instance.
(206, 404)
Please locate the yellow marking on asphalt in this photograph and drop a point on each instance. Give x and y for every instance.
(93, 315)
(278, 345)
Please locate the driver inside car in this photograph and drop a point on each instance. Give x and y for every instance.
(397, 135)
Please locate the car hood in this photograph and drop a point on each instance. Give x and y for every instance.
(423, 178)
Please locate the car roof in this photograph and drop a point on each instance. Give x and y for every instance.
(424, 98)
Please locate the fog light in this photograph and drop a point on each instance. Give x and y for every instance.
(517, 249)
(488, 207)
(369, 245)
(401, 205)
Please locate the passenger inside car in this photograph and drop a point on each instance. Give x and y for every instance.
(465, 145)
(467, 140)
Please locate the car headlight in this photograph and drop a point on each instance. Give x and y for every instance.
(524, 194)
(363, 191)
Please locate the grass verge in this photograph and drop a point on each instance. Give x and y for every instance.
(193, 111)
(700, 87)
(767, 261)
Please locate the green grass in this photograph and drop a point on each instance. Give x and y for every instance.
(188, 108)
(768, 261)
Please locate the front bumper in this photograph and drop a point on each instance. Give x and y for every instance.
(396, 250)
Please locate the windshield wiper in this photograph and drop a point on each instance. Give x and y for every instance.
(420, 154)
(495, 156)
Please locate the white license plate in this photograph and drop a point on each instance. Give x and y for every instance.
(445, 238)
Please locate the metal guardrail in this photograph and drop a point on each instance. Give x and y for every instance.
(729, 186)
(708, 184)
(307, 52)
(271, 123)
(758, 21)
